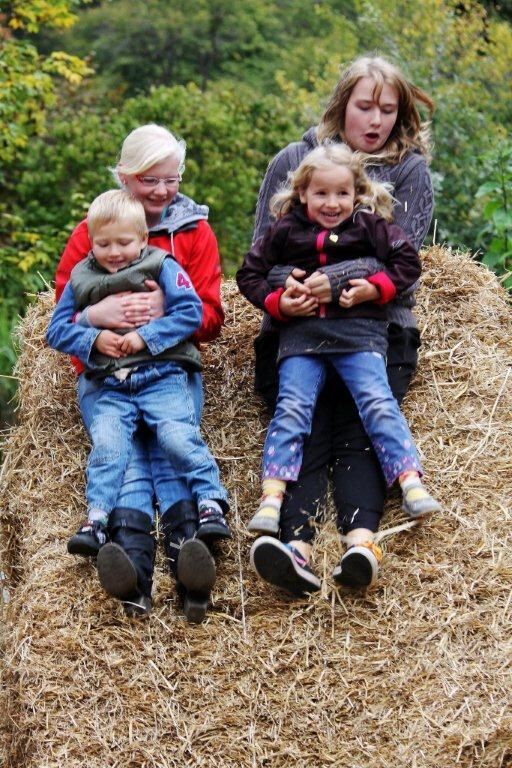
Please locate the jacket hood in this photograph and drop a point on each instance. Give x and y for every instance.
(183, 213)
(310, 138)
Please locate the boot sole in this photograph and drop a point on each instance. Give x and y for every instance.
(196, 567)
(194, 608)
(139, 607)
(116, 572)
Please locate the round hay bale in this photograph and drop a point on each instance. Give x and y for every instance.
(413, 674)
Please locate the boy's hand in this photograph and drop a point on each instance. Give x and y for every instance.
(360, 291)
(293, 305)
(132, 342)
(107, 342)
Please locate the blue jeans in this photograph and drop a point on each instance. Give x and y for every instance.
(301, 379)
(149, 471)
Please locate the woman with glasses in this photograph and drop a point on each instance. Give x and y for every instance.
(150, 167)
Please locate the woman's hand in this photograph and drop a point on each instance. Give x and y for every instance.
(292, 304)
(132, 342)
(319, 287)
(294, 281)
(108, 343)
(361, 290)
(128, 310)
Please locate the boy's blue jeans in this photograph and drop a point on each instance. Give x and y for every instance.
(149, 471)
(300, 380)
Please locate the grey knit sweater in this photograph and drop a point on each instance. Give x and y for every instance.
(412, 189)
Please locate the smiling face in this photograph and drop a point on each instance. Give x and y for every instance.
(329, 196)
(370, 118)
(116, 244)
(155, 197)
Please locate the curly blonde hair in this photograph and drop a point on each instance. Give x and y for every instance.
(368, 193)
(408, 133)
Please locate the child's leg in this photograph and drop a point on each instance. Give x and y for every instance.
(167, 404)
(300, 381)
(126, 563)
(136, 491)
(170, 485)
(266, 519)
(364, 373)
(111, 431)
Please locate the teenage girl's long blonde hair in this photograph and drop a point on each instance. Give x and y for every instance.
(408, 133)
(370, 194)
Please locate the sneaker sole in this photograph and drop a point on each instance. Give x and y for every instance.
(264, 525)
(274, 563)
(358, 569)
(116, 572)
(196, 567)
(423, 514)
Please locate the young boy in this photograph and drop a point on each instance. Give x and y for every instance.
(143, 372)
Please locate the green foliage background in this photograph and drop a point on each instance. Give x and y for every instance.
(237, 81)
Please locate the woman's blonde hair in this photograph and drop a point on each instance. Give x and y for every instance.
(408, 132)
(117, 205)
(368, 193)
(146, 146)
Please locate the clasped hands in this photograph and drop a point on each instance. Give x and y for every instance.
(125, 310)
(302, 297)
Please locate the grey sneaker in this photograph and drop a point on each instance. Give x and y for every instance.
(266, 519)
(416, 501)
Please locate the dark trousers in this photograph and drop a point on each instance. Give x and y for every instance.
(338, 446)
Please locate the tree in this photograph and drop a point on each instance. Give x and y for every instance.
(27, 86)
(27, 92)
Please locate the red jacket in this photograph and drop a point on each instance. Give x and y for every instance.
(194, 249)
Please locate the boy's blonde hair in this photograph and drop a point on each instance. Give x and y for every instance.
(408, 133)
(146, 146)
(117, 205)
(368, 193)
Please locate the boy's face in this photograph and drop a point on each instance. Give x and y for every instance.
(117, 244)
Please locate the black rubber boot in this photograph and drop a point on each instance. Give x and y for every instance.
(178, 524)
(125, 568)
(190, 560)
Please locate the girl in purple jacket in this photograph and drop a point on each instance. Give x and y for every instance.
(330, 213)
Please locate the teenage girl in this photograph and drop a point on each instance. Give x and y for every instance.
(331, 213)
(373, 108)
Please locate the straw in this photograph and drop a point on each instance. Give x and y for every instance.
(414, 673)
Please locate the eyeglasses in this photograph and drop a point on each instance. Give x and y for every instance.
(154, 181)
